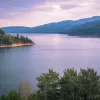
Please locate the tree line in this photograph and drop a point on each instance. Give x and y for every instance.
(73, 85)
(6, 39)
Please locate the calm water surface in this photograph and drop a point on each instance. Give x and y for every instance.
(51, 51)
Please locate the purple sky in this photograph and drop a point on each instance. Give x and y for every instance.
(37, 12)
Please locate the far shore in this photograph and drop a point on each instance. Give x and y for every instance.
(17, 45)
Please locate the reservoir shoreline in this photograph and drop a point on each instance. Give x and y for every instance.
(17, 45)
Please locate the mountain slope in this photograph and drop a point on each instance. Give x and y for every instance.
(16, 29)
(53, 27)
(59, 27)
(46, 28)
(87, 29)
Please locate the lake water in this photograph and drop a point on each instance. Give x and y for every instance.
(51, 51)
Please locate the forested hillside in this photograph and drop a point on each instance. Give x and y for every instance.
(87, 29)
(6, 39)
(55, 27)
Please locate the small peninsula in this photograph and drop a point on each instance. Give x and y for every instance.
(7, 40)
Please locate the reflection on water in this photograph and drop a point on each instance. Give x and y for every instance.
(51, 51)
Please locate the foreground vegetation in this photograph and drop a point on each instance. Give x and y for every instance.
(73, 85)
(6, 39)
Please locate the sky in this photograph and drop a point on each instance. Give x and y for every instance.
(37, 12)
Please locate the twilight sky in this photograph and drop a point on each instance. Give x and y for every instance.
(37, 12)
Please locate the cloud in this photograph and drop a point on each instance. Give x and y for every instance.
(7, 7)
(66, 7)
(20, 3)
(36, 12)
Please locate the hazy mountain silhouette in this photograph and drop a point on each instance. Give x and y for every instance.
(57, 27)
(87, 29)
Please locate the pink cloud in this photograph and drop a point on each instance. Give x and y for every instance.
(37, 12)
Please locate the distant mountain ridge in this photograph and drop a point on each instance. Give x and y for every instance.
(57, 27)
(86, 29)
(16, 29)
